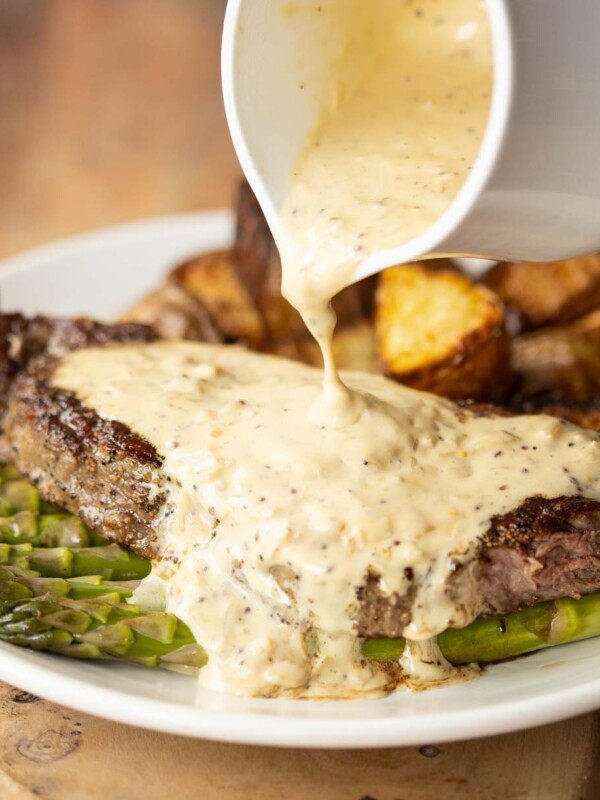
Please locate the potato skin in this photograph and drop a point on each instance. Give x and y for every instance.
(473, 363)
(174, 314)
(550, 293)
(213, 280)
(479, 369)
(259, 269)
(559, 364)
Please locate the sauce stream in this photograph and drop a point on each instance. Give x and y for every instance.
(401, 123)
(273, 522)
(288, 488)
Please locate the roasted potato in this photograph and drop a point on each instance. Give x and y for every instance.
(438, 332)
(174, 314)
(548, 294)
(212, 279)
(259, 268)
(560, 363)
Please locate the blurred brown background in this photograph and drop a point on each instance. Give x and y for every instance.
(110, 110)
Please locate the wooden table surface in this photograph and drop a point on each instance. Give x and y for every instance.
(110, 110)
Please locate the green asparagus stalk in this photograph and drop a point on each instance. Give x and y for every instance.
(53, 542)
(110, 561)
(89, 618)
(8, 472)
(64, 588)
(24, 517)
(505, 636)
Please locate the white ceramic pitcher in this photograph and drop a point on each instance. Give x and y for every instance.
(533, 193)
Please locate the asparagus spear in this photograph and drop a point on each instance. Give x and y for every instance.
(56, 589)
(110, 561)
(25, 517)
(506, 636)
(8, 472)
(45, 530)
(59, 543)
(88, 618)
(63, 588)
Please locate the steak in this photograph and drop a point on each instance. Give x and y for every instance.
(113, 478)
(96, 468)
(543, 550)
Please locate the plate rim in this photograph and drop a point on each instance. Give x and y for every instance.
(19, 669)
(139, 228)
(292, 730)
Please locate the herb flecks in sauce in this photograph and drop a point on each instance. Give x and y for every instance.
(401, 123)
(276, 518)
(267, 568)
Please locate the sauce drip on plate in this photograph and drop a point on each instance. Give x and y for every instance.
(273, 522)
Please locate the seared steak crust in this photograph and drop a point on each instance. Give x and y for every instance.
(22, 339)
(544, 550)
(380, 614)
(113, 478)
(585, 413)
(96, 468)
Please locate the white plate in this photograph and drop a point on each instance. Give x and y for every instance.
(99, 274)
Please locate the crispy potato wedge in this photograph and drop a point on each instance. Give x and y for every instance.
(213, 281)
(547, 294)
(560, 363)
(438, 332)
(174, 314)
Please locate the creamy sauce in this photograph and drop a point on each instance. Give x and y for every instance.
(273, 521)
(285, 494)
(401, 123)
